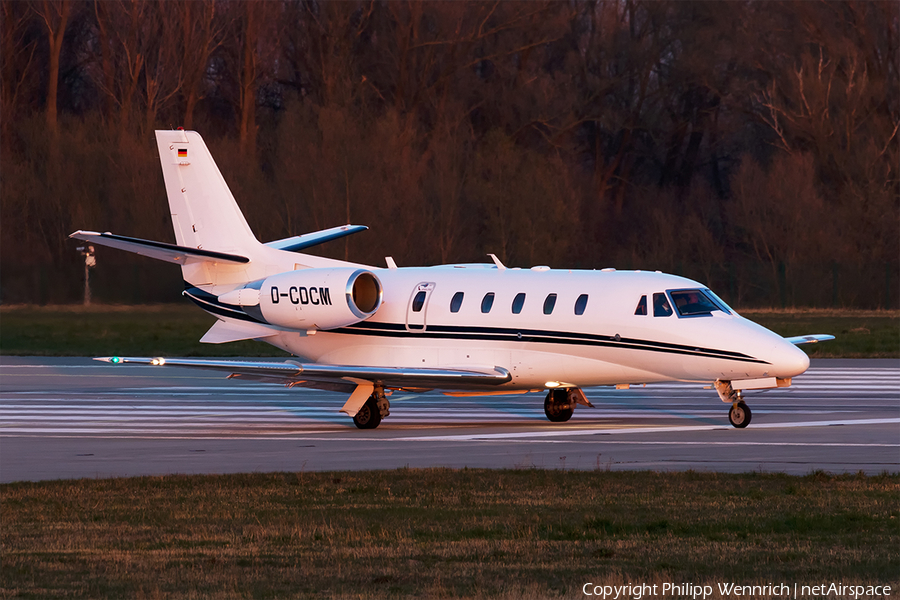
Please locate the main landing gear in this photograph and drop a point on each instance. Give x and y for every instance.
(557, 406)
(560, 403)
(740, 414)
(373, 411)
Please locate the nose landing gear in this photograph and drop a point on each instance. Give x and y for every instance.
(739, 415)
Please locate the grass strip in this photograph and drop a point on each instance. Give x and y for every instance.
(174, 330)
(442, 533)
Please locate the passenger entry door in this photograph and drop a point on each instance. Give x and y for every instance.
(418, 306)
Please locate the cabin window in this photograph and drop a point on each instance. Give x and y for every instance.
(456, 302)
(418, 302)
(518, 303)
(487, 302)
(641, 307)
(581, 304)
(661, 306)
(692, 303)
(549, 303)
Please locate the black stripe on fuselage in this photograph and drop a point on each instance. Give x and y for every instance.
(211, 304)
(537, 335)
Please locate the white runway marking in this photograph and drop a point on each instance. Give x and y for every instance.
(581, 432)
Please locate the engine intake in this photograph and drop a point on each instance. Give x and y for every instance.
(320, 298)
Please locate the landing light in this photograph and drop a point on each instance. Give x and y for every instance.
(552, 384)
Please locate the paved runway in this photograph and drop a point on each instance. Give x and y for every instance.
(73, 417)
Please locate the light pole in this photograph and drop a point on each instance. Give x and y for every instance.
(90, 261)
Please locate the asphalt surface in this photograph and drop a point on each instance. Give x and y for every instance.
(66, 418)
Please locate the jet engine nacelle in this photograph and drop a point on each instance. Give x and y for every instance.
(319, 298)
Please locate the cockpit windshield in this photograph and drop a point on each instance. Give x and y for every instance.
(692, 303)
(718, 302)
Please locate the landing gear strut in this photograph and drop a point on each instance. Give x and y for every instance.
(740, 414)
(557, 405)
(373, 411)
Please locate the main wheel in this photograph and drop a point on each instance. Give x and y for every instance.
(368, 417)
(557, 406)
(739, 415)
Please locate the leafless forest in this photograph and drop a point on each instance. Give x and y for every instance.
(751, 145)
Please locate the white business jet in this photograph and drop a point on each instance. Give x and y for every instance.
(464, 329)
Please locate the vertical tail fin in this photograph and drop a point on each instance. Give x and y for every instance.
(204, 212)
(214, 245)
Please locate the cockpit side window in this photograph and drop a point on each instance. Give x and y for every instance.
(661, 307)
(641, 307)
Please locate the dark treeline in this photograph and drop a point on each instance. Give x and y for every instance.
(751, 145)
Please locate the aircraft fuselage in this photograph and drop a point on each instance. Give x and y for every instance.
(518, 329)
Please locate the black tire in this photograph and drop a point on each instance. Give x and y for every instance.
(368, 417)
(557, 406)
(739, 415)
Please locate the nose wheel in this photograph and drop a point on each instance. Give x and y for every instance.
(739, 415)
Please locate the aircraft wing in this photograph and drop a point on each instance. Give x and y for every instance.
(809, 339)
(157, 250)
(334, 377)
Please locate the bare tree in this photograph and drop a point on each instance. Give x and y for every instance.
(780, 214)
(252, 49)
(18, 51)
(55, 15)
(202, 27)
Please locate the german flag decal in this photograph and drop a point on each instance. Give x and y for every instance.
(182, 153)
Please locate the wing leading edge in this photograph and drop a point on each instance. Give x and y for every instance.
(334, 377)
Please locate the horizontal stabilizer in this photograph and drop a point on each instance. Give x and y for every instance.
(809, 339)
(232, 331)
(308, 240)
(157, 250)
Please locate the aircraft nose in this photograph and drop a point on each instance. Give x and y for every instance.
(789, 360)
